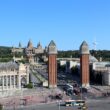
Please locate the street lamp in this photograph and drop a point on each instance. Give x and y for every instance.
(81, 92)
(58, 105)
(81, 95)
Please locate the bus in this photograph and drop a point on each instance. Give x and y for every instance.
(69, 102)
(75, 102)
(79, 103)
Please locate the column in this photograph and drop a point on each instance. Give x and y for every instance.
(10, 81)
(6, 82)
(14, 80)
(3, 82)
(35, 59)
(19, 81)
(27, 74)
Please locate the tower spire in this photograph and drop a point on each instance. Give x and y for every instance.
(20, 45)
(30, 45)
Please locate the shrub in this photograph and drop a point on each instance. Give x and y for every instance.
(1, 107)
(29, 86)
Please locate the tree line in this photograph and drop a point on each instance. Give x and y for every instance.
(99, 54)
(6, 54)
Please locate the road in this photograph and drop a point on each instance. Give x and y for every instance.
(99, 104)
(43, 107)
(102, 104)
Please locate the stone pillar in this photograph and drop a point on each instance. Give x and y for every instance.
(19, 81)
(3, 82)
(52, 65)
(6, 82)
(35, 59)
(84, 64)
(27, 73)
(10, 82)
(14, 80)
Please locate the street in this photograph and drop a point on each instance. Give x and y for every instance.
(101, 104)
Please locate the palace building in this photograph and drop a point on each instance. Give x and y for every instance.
(32, 53)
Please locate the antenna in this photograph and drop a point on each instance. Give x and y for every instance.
(95, 44)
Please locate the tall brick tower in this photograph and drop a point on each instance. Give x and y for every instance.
(52, 65)
(84, 64)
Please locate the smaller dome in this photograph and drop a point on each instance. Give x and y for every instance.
(84, 48)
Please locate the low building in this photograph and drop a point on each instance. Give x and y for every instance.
(62, 63)
(106, 77)
(69, 65)
(102, 69)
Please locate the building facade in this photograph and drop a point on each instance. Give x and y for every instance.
(13, 76)
(101, 70)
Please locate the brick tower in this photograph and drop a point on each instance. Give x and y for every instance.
(84, 64)
(52, 65)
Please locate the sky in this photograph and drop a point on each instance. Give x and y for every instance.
(67, 22)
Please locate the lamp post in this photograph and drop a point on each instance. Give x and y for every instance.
(81, 95)
(81, 92)
(58, 105)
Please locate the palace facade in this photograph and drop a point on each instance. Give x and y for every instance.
(32, 53)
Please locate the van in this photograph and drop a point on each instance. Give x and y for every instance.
(69, 86)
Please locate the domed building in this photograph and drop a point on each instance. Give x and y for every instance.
(31, 53)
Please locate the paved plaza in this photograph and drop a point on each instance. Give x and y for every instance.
(38, 97)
